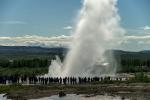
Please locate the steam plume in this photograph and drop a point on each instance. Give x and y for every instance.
(98, 22)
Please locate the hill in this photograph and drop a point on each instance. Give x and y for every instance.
(11, 52)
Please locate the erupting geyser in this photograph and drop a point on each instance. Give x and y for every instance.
(97, 22)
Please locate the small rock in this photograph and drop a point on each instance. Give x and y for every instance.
(62, 94)
(123, 98)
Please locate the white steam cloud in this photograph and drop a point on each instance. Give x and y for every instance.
(97, 24)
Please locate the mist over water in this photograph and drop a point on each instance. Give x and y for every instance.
(97, 24)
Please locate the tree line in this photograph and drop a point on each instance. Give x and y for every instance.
(132, 65)
(19, 63)
(28, 66)
(126, 64)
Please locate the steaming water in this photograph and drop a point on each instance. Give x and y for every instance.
(55, 67)
(2, 97)
(97, 24)
(81, 97)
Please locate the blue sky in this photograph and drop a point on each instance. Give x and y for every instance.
(134, 13)
(52, 18)
(47, 17)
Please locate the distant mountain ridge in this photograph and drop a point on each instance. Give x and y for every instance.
(53, 50)
(30, 50)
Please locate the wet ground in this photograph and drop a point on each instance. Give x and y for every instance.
(98, 97)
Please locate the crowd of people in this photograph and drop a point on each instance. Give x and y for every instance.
(55, 80)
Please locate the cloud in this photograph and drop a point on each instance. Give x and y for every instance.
(68, 28)
(12, 22)
(147, 28)
(132, 42)
(35, 40)
(135, 39)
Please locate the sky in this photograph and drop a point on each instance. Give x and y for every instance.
(50, 22)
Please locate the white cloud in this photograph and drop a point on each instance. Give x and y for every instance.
(144, 28)
(68, 27)
(135, 40)
(147, 28)
(12, 22)
(34, 40)
(134, 37)
(128, 42)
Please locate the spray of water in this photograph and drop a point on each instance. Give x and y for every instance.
(97, 22)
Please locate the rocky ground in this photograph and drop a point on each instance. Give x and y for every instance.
(24, 92)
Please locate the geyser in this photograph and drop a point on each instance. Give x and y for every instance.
(97, 23)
